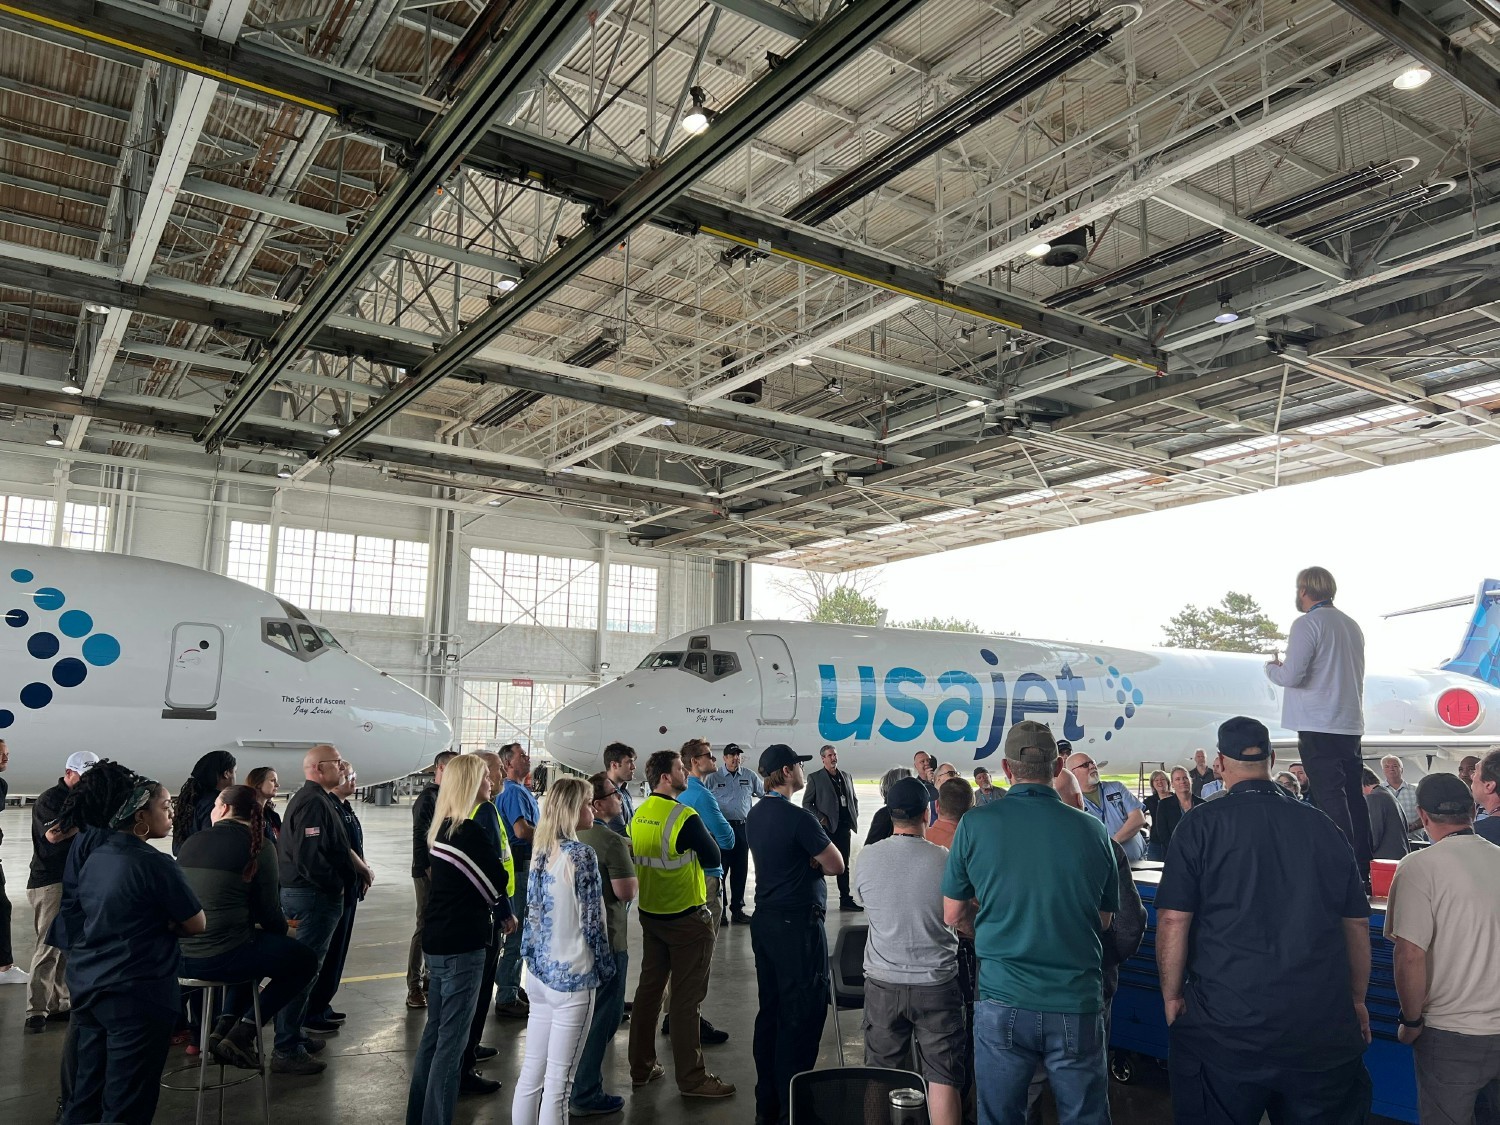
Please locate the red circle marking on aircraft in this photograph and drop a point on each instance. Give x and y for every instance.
(1458, 708)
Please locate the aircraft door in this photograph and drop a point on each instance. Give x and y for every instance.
(196, 670)
(777, 677)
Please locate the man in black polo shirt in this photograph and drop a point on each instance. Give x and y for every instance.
(1263, 947)
(792, 855)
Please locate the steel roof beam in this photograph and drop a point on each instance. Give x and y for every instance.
(1406, 27)
(1203, 207)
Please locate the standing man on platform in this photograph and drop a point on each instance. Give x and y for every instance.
(1200, 775)
(519, 813)
(421, 875)
(1444, 916)
(830, 797)
(1263, 950)
(619, 767)
(1323, 677)
(734, 788)
(792, 857)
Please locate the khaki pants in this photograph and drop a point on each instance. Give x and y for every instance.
(423, 884)
(679, 950)
(47, 991)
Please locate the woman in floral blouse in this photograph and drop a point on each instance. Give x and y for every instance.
(565, 947)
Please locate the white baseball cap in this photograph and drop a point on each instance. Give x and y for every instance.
(81, 761)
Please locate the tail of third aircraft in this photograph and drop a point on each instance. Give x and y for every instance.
(1479, 655)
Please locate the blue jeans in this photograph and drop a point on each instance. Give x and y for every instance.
(453, 987)
(287, 963)
(508, 972)
(317, 916)
(1010, 1042)
(609, 1006)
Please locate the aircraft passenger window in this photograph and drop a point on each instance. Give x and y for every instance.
(311, 642)
(725, 664)
(278, 634)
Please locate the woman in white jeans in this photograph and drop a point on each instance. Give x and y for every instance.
(566, 951)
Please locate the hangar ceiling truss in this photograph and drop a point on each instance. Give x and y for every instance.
(931, 274)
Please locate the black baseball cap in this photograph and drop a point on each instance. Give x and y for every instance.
(731, 748)
(907, 799)
(1444, 794)
(779, 754)
(1244, 739)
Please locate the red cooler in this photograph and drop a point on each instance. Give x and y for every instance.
(1382, 871)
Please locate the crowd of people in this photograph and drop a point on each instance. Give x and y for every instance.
(996, 918)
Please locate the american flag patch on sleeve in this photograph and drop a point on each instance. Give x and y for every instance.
(312, 832)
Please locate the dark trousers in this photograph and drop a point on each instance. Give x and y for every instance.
(7, 954)
(791, 976)
(285, 964)
(737, 867)
(486, 993)
(1334, 771)
(122, 1045)
(1458, 1077)
(840, 837)
(416, 968)
(320, 1001)
(677, 950)
(1211, 1093)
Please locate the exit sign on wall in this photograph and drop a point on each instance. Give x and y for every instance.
(520, 683)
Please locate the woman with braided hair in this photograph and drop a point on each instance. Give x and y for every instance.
(122, 967)
(195, 803)
(233, 870)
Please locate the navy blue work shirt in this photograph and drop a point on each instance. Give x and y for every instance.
(1489, 828)
(1269, 882)
(129, 893)
(783, 839)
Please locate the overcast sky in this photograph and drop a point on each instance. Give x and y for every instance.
(1393, 538)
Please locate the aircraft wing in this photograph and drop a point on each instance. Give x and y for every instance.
(1403, 745)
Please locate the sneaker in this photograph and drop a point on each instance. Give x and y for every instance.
(740, 918)
(708, 1034)
(484, 1054)
(416, 998)
(35, 1025)
(59, 1017)
(605, 1103)
(222, 1027)
(710, 1087)
(472, 1082)
(515, 1010)
(14, 975)
(334, 1017)
(656, 1072)
(313, 1046)
(850, 906)
(299, 1063)
(319, 1027)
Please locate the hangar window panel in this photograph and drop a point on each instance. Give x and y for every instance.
(27, 520)
(85, 527)
(497, 711)
(632, 599)
(249, 553)
(342, 573)
(511, 588)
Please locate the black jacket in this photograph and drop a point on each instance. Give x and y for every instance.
(1127, 928)
(48, 860)
(421, 822)
(467, 898)
(313, 851)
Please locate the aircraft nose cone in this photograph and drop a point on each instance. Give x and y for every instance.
(575, 736)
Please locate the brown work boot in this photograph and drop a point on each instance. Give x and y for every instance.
(710, 1087)
(416, 998)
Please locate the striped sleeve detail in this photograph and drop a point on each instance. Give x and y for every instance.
(471, 870)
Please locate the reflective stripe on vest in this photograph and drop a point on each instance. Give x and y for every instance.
(664, 860)
(669, 884)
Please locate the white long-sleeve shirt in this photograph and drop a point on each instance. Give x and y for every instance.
(1323, 674)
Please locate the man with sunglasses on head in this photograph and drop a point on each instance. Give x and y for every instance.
(1108, 802)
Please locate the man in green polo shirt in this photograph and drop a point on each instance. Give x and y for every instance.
(1044, 879)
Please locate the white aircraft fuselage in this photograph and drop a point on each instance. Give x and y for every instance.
(154, 664)
(880, 695)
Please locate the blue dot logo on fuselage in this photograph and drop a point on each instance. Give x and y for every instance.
(49, 642)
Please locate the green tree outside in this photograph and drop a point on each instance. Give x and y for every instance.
(1236, 624)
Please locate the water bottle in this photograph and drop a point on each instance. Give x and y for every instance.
(908, 1107)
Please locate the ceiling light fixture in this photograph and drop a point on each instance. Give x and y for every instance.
(715, 493)
(334, 431)
(71, 387)
(668, 422)
(284, 472)
(974, 403)
(505, 284)
(1225, 315)
(1040, 250)
(1412, 78)
(697, 119)
(829, 453)
(95, 307)
(56, 438)
(802, 361)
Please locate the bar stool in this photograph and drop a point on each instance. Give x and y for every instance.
(211, 989)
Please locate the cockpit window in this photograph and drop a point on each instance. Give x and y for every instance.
(328, 638)
(311, 642)
(701, 662)
(278, 634)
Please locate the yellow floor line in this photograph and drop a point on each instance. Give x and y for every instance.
(377, 976)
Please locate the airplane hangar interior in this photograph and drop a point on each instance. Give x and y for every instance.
(501, 336)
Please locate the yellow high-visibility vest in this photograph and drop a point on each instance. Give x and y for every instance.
(505, 856)
(671, 881)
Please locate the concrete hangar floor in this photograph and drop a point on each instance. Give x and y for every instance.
(370, 1058)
